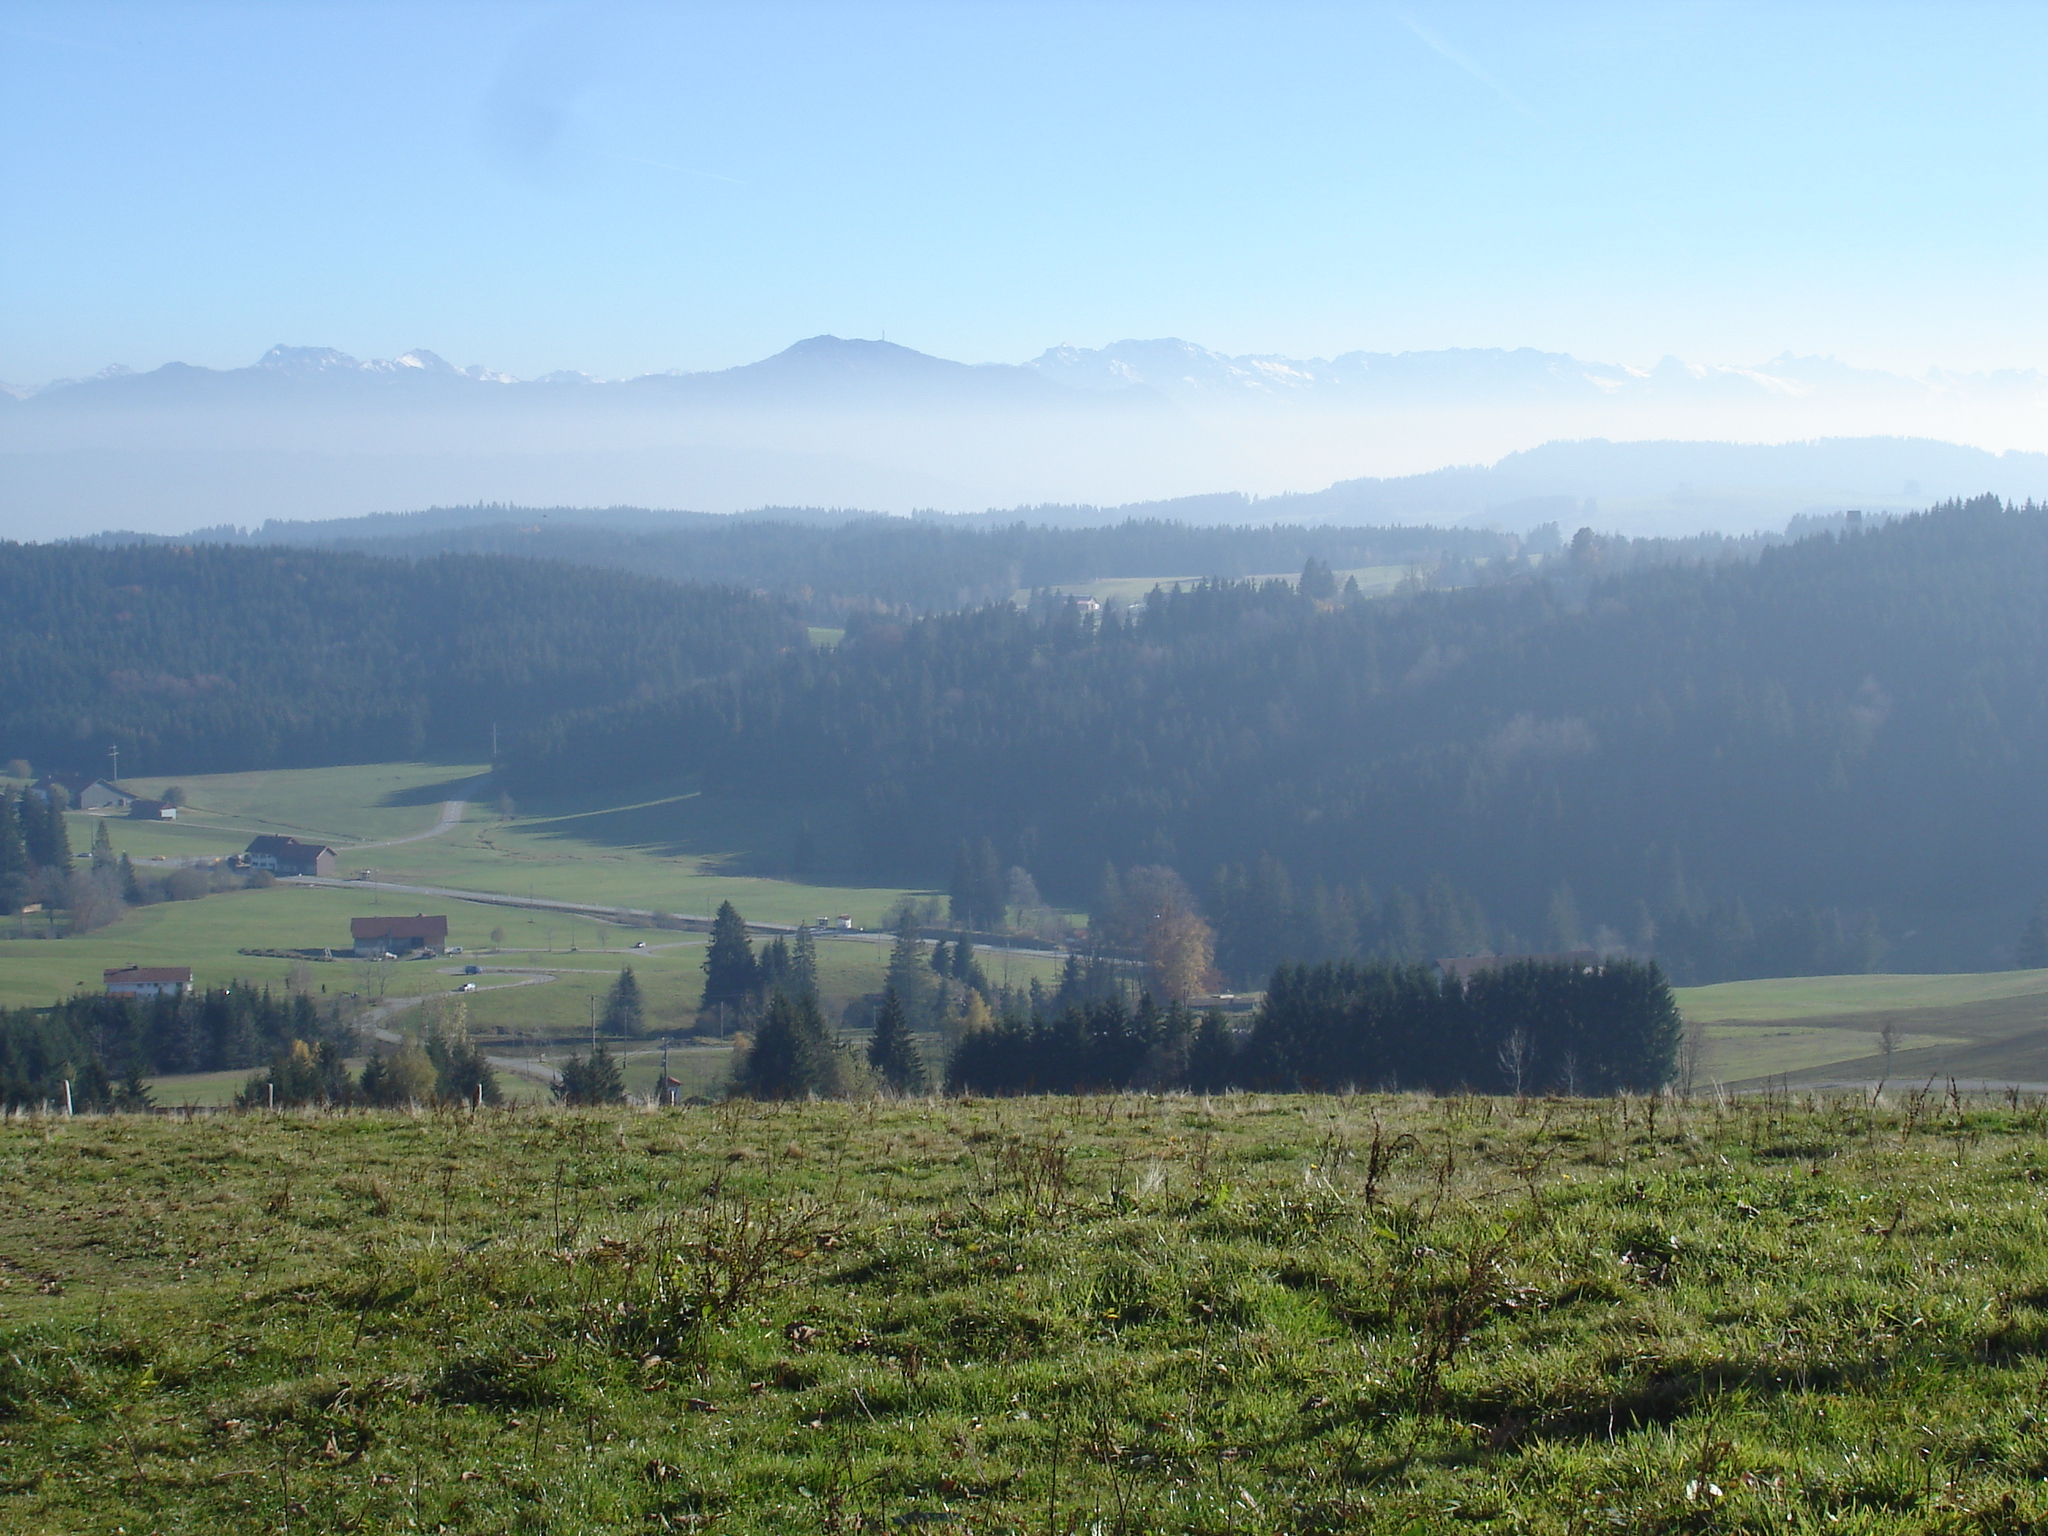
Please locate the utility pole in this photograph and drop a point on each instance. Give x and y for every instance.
(593, 1024)
(115, 754)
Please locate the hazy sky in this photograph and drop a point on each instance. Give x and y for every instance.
(623, 189)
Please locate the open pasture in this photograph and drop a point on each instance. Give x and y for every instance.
(667, 848)
(1989, 1028)
(1251, 1313)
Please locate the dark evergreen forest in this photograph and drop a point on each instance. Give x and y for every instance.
(205, 659)
(1522, 1028)
(1749, 767)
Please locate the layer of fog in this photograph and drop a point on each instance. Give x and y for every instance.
(862, 424)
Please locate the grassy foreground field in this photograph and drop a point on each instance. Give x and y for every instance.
(1123, 1314)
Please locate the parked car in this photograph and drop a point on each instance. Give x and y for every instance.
(472, 970)
(640, 944)
(467, 986)
(454, 949)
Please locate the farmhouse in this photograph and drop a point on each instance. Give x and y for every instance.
(149, 980)
(99, 795)
(289, 856)
(396, 935)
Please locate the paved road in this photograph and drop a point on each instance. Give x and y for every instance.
(452, 811)
(374, 1018)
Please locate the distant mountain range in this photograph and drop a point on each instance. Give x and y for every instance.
(852, 372)
(312, 433)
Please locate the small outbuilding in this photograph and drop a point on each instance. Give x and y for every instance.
(289, 856)
(149, 981)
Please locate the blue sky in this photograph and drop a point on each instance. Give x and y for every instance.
(625, 189)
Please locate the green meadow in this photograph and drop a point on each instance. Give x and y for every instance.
(1787, 1312)
(1989, 1028)
(670, 848)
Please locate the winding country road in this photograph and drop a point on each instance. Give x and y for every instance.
(452, 812)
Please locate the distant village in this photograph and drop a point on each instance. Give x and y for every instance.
(370, 938)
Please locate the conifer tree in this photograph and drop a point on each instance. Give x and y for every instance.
(803, 965)
(1212, 1058)
(607, 1085)
(42, 827)
(771, 968)
(591, 1080)
(892, 1052)
(102, 848)
(964, 968)
(625, 1011)
(14, 882)
(13, 851)
(908, 976)
(731, 975)
(1318, 581)
(792, 1056)
(461, 1069)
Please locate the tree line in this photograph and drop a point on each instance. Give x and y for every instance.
(832, 566)
(296, 1047)
(1565, 1025)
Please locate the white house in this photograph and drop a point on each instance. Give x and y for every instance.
(149, 980)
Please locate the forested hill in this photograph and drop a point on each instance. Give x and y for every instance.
(211, 659)
(1759, 766)
(831, 564)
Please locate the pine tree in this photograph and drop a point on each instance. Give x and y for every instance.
(792, 1056)
(134, 1092)
(14, 881)
(908, 975)
(772, 969)
(591, 1080)
(892, 1052)
(625, 1011)
(965, 969)
(991, 890)
(131, 887)
(1318, 581)
(803, 965)
(102, 847)
(731, 975)
(606, 1084)
(461, 1069)
(1212, 1058)
(978, 894)
(13, 851)
(36, 815)
(58, 838)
